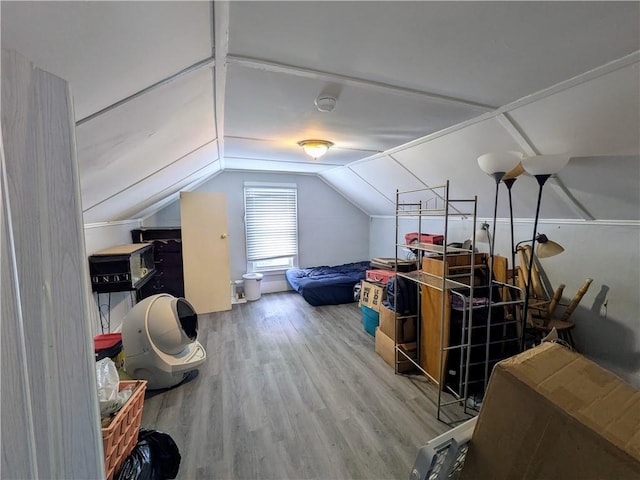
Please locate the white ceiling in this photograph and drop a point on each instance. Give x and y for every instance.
(168, 94)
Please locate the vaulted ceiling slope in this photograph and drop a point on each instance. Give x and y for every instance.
(169, 94)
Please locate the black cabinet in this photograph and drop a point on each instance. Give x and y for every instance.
(121, 268)
(167, 249)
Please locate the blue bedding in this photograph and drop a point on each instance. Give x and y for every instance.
(327, 285)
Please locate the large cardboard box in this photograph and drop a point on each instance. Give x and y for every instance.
(372, 295)
(550, 413)
(385, 347)
(386, 263)
(402, 331)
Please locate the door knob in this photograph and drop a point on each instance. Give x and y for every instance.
(223, 236)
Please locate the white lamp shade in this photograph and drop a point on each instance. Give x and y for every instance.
(545, 164)
(549, 249)
(491, 163)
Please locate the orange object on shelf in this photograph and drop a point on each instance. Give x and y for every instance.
(414, 237)
(380, 276)
(119, 438)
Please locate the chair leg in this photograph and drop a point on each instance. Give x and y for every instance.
(566, 336)
(570, 340)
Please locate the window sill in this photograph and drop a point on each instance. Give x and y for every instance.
(269, 273)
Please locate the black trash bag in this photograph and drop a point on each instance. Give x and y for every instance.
(137, 466)
(155, 457)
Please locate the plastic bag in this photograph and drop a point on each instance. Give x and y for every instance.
(137, 466)
(110, 397)
(155, 457)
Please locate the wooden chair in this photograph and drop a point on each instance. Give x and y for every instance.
(536, 291)
(562, 324)
(539, 307)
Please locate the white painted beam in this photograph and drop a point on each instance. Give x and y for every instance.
(269, 66)
(221, 47)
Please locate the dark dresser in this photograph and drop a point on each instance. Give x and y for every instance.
(167, 257)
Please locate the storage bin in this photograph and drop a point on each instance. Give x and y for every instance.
(414, 237)
(252, 285)
(109, 345)
(119, 438)
(370, 320)
(379, 276)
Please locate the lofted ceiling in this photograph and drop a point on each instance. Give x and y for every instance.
(168, 94)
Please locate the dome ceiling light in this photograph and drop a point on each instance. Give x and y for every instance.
(315, 148)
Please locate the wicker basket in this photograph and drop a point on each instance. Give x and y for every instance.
(121, 435)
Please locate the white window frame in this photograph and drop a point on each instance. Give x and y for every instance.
(277, 264)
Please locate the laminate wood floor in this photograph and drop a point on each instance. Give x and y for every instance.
(291, 391)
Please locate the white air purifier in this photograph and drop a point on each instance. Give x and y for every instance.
(159, 341)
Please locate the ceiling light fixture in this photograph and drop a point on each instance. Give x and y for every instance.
(315, 148)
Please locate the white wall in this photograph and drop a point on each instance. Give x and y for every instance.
(331, 230)
(608, 318)
(49, 416)
(97, 237)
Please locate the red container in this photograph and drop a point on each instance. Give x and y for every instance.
(107, 345)
(413, 237)
(379, 276)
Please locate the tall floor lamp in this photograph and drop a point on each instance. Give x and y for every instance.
(509, 179)
(495, 165)
(541, 167)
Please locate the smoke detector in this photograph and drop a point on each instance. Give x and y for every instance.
(325, 103)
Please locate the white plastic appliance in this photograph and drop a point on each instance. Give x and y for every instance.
(159, 341)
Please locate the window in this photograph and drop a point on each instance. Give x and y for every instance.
(271, 226)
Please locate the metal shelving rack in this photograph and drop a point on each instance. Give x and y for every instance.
(436, 202)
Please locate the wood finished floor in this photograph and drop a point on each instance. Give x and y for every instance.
(291, 391)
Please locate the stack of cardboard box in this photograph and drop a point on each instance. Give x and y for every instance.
(400, 331)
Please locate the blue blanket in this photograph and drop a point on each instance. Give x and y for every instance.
(327, 285)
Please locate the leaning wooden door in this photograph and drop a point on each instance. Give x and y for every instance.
(205, 251)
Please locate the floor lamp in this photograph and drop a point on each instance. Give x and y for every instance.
(541, 167)
(509, 179)
(495, 165)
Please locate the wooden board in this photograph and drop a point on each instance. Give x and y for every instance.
(49, 407)
(430, 330)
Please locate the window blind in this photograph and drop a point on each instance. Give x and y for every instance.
(271, 222)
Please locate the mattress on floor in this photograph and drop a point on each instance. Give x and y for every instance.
(326, 285)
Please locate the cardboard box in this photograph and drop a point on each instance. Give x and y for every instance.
(402, 331)
(385, 347)
(372, 295)
(385, 263)
(550, 413)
